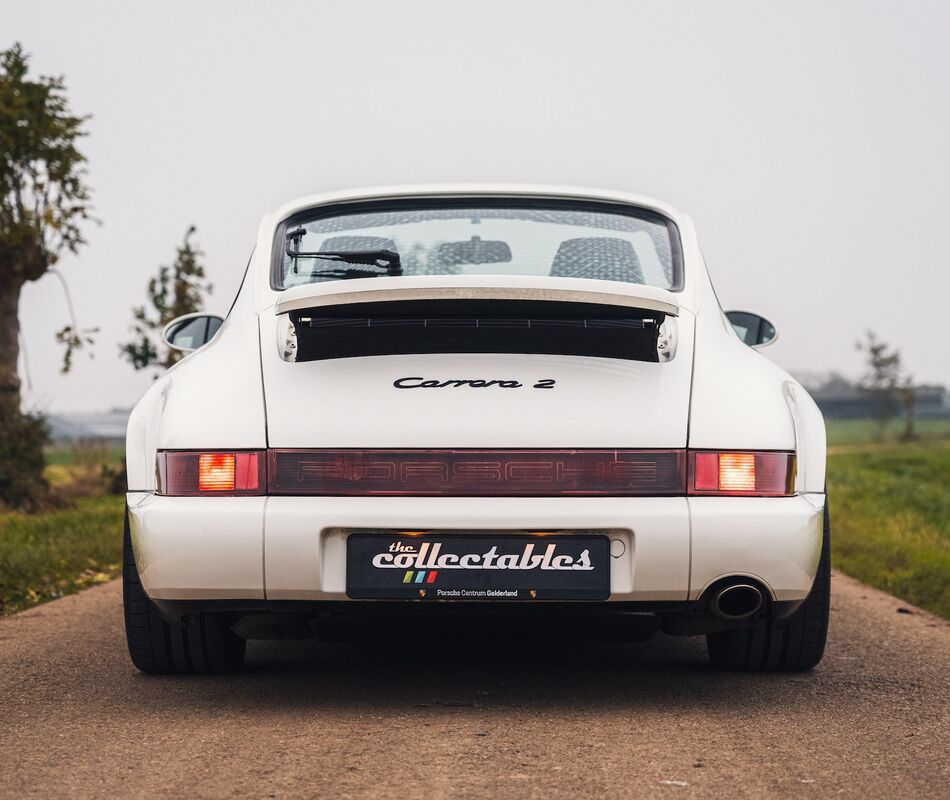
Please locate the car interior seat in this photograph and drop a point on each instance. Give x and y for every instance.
(605, 258)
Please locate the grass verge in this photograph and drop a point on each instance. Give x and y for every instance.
(890, 521)
(45, 556)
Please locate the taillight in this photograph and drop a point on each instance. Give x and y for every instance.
(211, 473)
(764, 474)
(519, 473)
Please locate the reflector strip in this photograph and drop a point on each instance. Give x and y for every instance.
(520, 473)
(705, 477)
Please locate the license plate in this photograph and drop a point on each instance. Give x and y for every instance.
(475, 567)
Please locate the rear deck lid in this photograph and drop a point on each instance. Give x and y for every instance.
(466, 399)
(491, 322)
(478, 287)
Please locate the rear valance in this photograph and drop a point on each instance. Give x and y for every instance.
(478, 287)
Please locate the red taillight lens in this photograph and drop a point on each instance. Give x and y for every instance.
(211, 473)
(730, 473)
(520, 473)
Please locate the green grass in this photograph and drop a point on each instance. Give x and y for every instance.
(79, 454)
(890, 520)
(48, 555)
(864, 431)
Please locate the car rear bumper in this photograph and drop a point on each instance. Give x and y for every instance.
(667, 549)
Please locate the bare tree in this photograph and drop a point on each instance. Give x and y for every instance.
(883, 379)
(908, 398)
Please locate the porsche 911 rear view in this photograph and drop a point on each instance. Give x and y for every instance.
(469, 399)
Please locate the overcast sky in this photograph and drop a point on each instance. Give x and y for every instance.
(810, 142)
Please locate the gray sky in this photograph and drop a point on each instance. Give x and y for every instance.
(808, 140)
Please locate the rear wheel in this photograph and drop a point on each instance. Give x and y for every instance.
(205, 644)
(794, 644)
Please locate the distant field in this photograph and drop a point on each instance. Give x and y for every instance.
(45, 556)
(85, 470)
(864, 431)
(890, 520)
(68, 456)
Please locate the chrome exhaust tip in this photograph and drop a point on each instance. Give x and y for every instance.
(737, 601)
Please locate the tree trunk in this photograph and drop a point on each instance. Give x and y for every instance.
(10, 287)
(22, 436)
(883, 400)
(909, 401)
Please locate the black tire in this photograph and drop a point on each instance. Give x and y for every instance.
(794, 644)
(205, 644)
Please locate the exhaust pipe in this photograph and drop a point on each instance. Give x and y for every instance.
(737, 601)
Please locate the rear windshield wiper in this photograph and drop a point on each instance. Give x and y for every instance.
(344, 274)
(387, 260)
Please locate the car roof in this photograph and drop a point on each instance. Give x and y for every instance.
(267, 297)
(475, 190)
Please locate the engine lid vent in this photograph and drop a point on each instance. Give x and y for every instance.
(475, 326)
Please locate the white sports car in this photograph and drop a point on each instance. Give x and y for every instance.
(431, 400)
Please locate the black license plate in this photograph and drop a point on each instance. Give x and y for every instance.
(475, 567)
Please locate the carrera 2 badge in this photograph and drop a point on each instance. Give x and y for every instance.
(473, 383)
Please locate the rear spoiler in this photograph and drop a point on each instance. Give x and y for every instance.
(541, 288)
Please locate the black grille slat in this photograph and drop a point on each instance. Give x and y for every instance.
(422, 327)
(369, 322)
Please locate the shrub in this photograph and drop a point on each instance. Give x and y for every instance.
(22, 439)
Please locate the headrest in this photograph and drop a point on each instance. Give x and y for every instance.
(356, 244)
(605, 258)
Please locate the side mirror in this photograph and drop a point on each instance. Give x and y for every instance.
(754, 330)
(191, 331)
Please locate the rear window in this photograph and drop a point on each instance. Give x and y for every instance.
(564, 239)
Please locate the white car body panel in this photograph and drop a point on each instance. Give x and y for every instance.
(213, 398)
(809, 427)
(478, 287)
(776, 540)
(738, 399)
(674, 547)
(238, 393)
(191, 550)
(304, 553)
(351, 391)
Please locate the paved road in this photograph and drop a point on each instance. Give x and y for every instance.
(450, 719)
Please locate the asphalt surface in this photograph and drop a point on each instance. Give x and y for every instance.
(447, 718)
